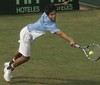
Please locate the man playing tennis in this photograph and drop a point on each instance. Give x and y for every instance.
(46, 23)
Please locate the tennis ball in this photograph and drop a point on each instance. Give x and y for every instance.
(91, 53)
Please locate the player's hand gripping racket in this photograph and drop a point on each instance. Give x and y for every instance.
(91, 51)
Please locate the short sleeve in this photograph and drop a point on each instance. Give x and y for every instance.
(53, 29)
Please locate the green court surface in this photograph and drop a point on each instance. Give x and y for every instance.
(53, 60)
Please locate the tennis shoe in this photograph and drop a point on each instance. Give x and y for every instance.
(7, 74)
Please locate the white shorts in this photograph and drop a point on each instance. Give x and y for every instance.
(25, 42)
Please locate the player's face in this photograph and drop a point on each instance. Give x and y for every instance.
(52, 15)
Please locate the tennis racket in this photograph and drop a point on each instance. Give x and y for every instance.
(91, 51)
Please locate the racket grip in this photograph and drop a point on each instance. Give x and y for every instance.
(77, 46)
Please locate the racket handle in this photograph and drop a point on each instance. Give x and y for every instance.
(77, 46)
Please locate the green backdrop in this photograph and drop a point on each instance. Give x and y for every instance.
(33, 6)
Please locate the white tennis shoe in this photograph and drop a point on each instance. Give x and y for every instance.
(7, 72)
(7, 75)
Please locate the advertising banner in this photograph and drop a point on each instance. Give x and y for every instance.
(33, 6)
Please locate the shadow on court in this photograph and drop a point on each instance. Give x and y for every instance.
(50, 81)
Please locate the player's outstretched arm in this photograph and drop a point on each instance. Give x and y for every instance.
(66, 37)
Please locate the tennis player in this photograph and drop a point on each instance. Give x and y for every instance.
(46, 23)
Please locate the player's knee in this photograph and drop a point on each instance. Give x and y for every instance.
(26, 59)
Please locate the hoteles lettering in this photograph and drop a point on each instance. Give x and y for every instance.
(27, 9)
(30, 6)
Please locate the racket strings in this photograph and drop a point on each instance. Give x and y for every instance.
(96, 51)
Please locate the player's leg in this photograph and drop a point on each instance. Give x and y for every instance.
(17, 55)
(18, 62)
(10, 68)
(24, 48)
(22, 55)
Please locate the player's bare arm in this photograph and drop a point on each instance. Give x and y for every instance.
(62, 4)
(66, 37)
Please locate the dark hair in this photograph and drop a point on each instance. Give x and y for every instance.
(49, 8)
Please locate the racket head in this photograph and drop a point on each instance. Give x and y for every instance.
(95, 48)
